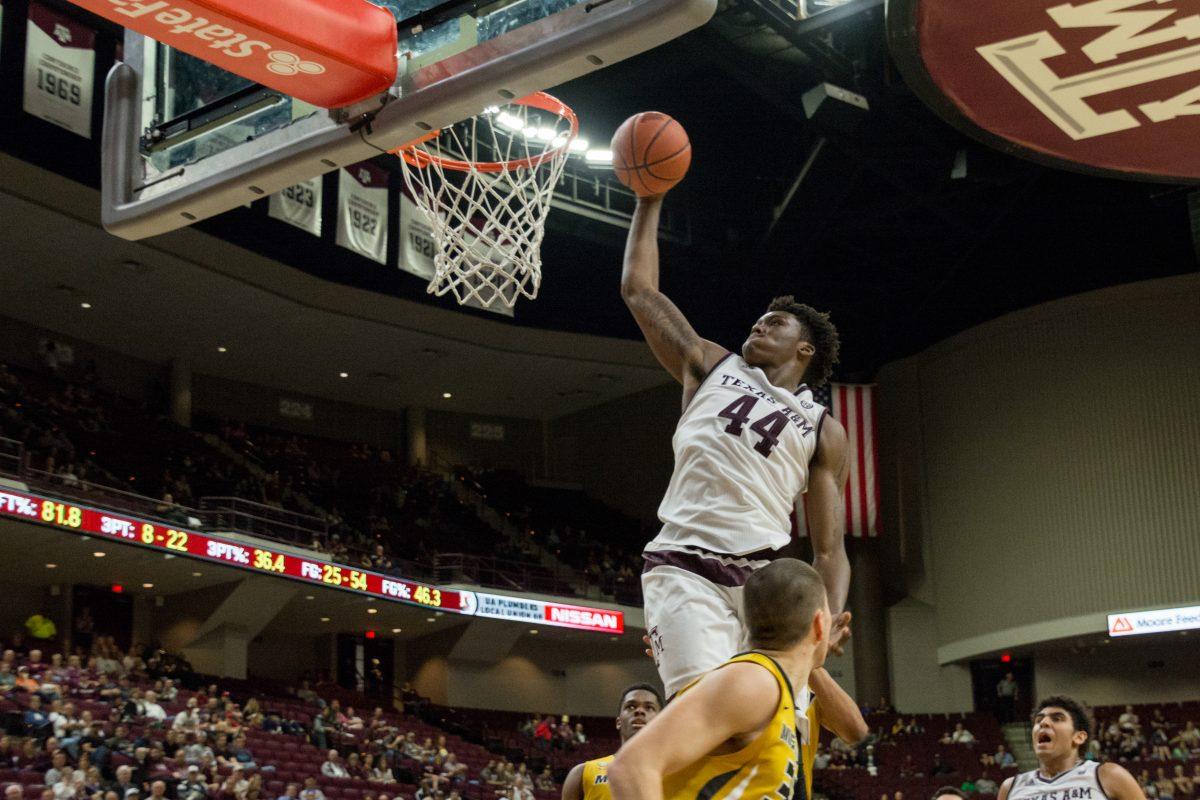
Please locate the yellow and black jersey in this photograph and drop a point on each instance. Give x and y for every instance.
(595, 779)
(809, 728)
(765, 769)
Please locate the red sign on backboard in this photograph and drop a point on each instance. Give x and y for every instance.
(1102, 86)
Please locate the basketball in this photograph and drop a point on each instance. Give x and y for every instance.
(651, 153)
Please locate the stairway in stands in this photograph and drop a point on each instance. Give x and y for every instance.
(1019, 736)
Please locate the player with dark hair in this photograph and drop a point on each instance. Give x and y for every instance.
(640, 703)
(750, 441)
(949, 793)
(1061, 728)
(732, 733)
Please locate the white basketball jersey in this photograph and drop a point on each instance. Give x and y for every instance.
(1080, 782)
(742, 450)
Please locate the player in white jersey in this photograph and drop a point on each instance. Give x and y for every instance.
(1061, 727)
(750, 441)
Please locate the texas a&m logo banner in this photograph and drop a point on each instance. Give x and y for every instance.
(1102, 86)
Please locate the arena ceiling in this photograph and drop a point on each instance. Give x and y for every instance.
(903, 228)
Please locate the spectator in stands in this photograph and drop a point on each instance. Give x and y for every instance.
(543, 734)
(1189, 737)
(124, 782)
(1003, 758)
(961, 735)
(333, 766)
(57, 762)
(1185, 787)
(241, 753)
(1007, 693)
(311, 791)
(192, 787)
(580, 736)
(948, 793)
(940, 767)
(189, 718)
(1129, 721)
(151, 709)
(985, 786)
(290, 792)
(35, 722)
(13, 792)
(1164, 785)
(25, 682)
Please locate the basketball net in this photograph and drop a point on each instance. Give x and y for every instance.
(484, 187)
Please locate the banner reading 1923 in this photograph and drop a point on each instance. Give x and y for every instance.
(300, 205)
(60, 63)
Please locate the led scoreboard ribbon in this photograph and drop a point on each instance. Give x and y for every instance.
(131, 530)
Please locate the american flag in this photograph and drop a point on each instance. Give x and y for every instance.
(854, 406)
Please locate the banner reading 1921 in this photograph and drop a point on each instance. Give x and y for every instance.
(60, 63)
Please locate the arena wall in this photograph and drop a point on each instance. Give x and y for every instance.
(1148, 670)
(450, 441)
(1041, 470)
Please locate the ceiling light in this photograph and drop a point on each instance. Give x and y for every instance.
(343, 374)
(85, 305)
(52, 566)
(545, 134)
(324, 619)
(197, 574)
(372, 610)
(598, 156)
(446, 395)
(533, 630)
(147, 585)
(530, 131)
(493, 110)
(309, 597)
(579, 145)
(509, 121)
(99, 554)
(396, 630)
(430, 619)
(222, 349)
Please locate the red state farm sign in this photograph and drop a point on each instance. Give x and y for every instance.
(1104, 86)
(592, 619)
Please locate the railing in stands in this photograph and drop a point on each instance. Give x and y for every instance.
(246, 516)
(500, 573)
(238, 515)
(12, 457)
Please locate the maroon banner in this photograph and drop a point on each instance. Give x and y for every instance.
(1103, 86)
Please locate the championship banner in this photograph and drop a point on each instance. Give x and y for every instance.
(299, 205)
(362, 210)
(60, 64)
(417, 245)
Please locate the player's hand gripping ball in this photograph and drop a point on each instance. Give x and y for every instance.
(651, 153)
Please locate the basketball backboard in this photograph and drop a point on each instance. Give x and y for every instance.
(184, 140)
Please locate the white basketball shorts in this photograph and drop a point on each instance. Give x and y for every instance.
(693, 603)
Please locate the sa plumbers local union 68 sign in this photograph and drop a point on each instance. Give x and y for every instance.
(1102, 86)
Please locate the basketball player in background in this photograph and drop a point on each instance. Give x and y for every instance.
(732, 733)
(749, 442)
(640, 703)
(1061, 728)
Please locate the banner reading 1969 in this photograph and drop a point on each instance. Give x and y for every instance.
(60, 65)
(69, 516)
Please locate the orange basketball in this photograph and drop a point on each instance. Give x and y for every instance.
(651, 153)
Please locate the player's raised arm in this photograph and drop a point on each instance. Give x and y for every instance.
(827, 516)
(671, 337)
(734, 700)
(837, 710)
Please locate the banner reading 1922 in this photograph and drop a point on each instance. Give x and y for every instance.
(60, 63)
(363, 210)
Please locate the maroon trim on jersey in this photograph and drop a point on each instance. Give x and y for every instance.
(817, 443)
(708, 568)
(704, 380)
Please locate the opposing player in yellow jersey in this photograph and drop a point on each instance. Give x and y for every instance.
(640, 703)
(732, 733)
